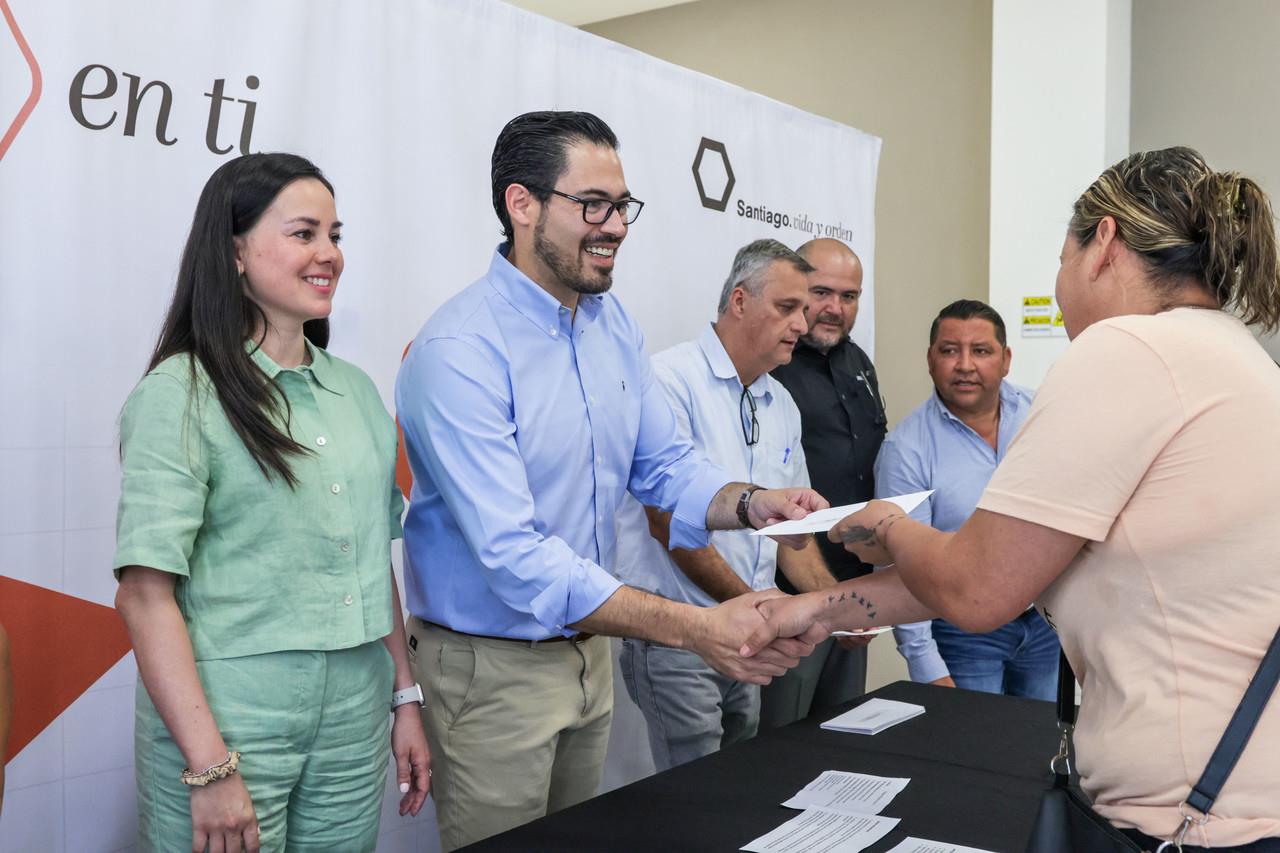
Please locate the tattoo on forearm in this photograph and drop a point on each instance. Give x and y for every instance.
(858, 536)
(871, 537)
(865, 603)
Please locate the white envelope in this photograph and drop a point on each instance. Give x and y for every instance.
(825, 519)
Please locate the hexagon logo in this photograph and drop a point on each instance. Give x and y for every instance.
(713, 174)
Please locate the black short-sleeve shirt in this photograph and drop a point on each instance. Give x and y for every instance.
(843, 423)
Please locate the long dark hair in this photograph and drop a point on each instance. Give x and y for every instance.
(210, 317)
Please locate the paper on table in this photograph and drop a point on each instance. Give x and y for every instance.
(825, 519)
(851, 793)
(863, 632)
(921, 845)
(823, 831)
(873, 716)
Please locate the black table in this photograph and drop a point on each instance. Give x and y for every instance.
(977, 764)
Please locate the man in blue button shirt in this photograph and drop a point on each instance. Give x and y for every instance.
(952, 443)
(529, 408)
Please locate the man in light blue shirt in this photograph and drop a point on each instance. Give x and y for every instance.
(733, 412)
(952, 443)
(529, 409)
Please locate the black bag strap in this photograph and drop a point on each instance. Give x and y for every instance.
(1243, 722)
(1066, 691)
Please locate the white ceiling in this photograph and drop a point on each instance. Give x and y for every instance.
(579, 12)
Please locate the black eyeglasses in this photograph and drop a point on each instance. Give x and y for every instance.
(596, 211)
(750, 426)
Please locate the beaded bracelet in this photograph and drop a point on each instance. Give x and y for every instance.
(212, 773)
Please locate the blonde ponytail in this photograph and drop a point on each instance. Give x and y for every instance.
(1191, 223)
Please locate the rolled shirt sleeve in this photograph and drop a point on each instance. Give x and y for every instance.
(165, 480)
(396, 511)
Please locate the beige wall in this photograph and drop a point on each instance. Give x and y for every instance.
(916, 73)
(1208, 75)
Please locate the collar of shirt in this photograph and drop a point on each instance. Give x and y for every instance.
(1013, 403)
(321, 367)
(534, 302)
(722, 366)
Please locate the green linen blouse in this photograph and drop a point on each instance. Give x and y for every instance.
(263, 567)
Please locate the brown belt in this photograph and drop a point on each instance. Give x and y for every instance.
(580, 637)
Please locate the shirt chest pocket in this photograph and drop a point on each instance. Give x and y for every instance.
(773, 460)
(614, 406)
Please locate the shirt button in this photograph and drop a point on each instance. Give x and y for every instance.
(346, 546)
(349, 600)
(553, 331)
(842, 397)
(591, 400)
(322, 441)
(599, 460)
(335, 488)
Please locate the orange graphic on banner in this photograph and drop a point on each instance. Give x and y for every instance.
(59, 645)
(404, 475)
(30, 103)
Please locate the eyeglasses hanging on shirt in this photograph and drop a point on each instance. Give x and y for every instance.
(882, 416)
(747, 415)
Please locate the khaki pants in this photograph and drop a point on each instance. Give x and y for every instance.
(517, 730)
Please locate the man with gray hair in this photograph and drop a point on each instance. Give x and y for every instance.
(746, 423)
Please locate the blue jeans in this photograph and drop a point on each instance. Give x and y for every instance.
(1018, 659)
(689, 709)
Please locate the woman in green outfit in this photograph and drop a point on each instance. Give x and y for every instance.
(257, 509)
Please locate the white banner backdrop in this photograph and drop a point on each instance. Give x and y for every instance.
(399, 102)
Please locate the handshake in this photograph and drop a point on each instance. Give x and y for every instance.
(758, 636)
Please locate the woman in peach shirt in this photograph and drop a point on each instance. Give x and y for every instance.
(1137, 506)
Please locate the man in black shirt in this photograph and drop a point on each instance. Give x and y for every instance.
(843, 423)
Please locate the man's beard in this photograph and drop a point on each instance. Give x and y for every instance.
(569, 273)
(824, 344)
